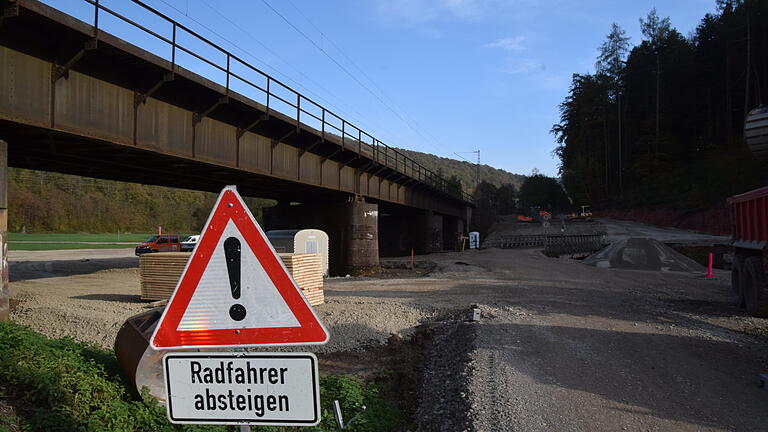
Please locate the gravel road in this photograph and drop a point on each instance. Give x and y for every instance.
(619, 230)
(561, 345)
(576, 348)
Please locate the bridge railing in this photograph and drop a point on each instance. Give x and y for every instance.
(283, 99)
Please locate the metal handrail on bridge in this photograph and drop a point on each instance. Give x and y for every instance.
(350, 136)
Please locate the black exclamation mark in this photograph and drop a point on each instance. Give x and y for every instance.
(232, 255)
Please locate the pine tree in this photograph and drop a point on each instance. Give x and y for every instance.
(610, 62)
(656, 30)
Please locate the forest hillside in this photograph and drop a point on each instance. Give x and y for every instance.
(465, 171)
(660, 122)
(41, 201)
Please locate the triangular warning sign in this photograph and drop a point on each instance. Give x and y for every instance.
(235, 290)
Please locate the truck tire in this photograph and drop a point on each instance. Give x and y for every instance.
(737, 270)
(755, 287)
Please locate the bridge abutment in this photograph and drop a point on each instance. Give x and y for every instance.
(352, 229)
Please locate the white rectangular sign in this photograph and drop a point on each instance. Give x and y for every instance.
(279, 389)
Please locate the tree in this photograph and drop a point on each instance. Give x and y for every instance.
(506, 199)
(453, 183)
(613, 51)
(485, 196)
(582, 127)
(682, 112)
(545, 192)
(610, 63)
(656, 30)
(485, 211)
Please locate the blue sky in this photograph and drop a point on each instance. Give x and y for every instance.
(438, 76)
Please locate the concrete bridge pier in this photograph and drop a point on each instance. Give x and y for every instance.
(352, 229)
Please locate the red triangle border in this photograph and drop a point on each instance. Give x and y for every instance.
(228, 207)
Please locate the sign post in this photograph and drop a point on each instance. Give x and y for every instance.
(236, 293)
(278, 389)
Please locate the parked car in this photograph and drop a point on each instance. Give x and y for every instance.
(189, 243)
(159, 243)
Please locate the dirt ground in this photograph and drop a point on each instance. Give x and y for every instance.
(560, 345)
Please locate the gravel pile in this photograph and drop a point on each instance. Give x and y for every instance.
(78, 306)
(643, 254)
(356, 323)
(444, 403)
(56, 308)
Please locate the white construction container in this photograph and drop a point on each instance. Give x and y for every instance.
(301, 241)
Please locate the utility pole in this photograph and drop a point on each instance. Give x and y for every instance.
(477, 175)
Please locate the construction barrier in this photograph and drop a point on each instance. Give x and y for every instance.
(555, 244)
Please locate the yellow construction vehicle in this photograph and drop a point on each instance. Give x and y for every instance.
(584, 212)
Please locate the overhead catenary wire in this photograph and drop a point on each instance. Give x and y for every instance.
(365, 75)
(351, 108)
(267, 65)
(411, 124)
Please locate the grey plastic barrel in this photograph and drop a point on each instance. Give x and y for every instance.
(756, 131)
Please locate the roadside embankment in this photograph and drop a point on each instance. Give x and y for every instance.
(715, 220)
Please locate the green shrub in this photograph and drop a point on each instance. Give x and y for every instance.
(352, 395)
(63, 385)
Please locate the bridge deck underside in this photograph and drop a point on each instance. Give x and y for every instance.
(43, 149)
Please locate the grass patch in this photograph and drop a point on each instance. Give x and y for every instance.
(63, 385)
(63, 241)
(78, 237)
(63, 246)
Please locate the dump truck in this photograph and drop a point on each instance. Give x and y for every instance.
(749, 220)
(749, 213)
